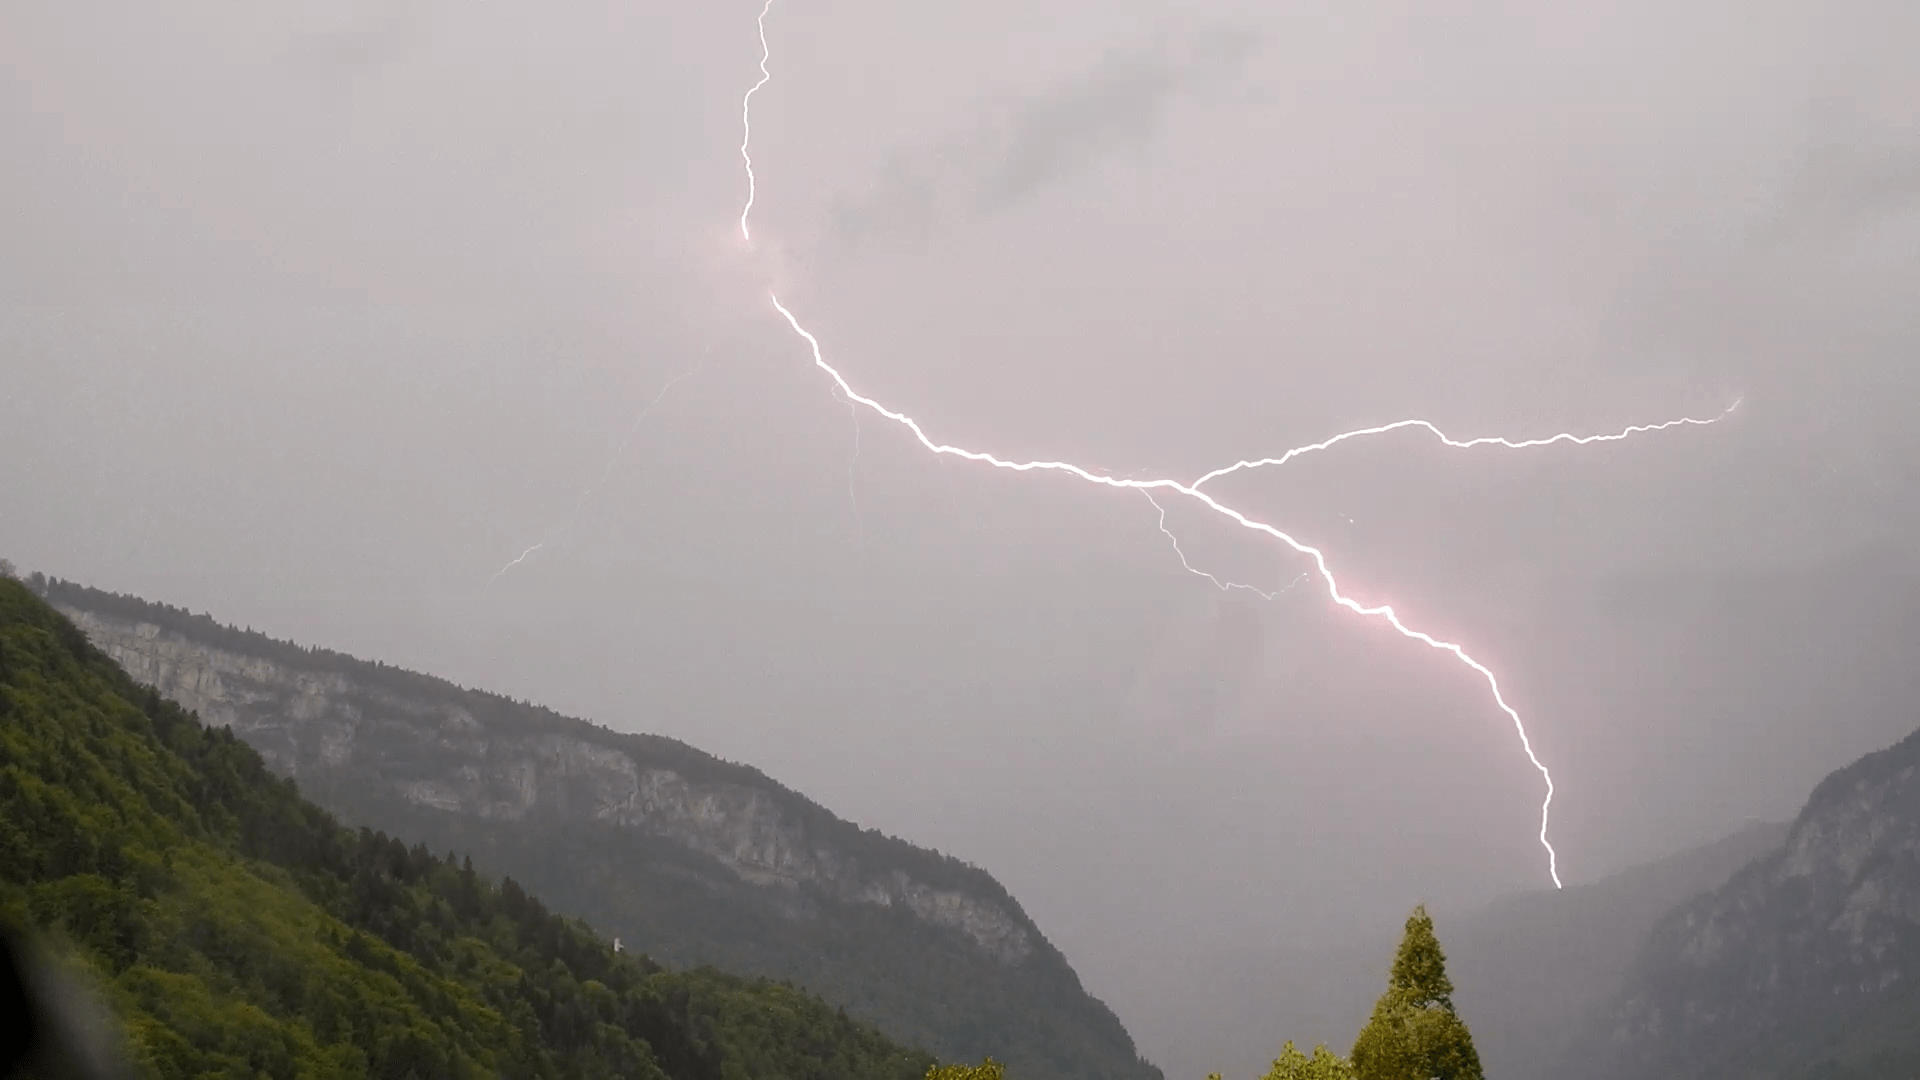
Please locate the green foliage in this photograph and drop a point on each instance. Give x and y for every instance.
(1414, 1033)
(988, 1069)
(928, 985)
(1323, 1065)
(241, 931)
(1294, 1065)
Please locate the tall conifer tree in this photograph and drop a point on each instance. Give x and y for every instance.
(1414, 1033)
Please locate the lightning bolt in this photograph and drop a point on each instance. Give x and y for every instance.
(517, 560)
(746, 122)
(853, 495)
(1378, 611)
(1223, 586)
(1382, 612)
(1465, 444)
(606, 471)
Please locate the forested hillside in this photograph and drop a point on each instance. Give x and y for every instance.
(239, 930)
(690, 858)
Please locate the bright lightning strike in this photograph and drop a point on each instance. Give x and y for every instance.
(746, 122)
(1224, 586)
(1384, 612)
(1378, 611)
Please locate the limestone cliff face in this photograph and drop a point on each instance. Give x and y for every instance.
(415, 738)
(1828, 927)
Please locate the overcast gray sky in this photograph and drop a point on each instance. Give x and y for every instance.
(317, 315)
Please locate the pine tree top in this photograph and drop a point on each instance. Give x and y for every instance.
(1420, 968)
(1414, 1033)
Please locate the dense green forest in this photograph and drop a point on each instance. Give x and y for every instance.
(925, 984)
(237, 929)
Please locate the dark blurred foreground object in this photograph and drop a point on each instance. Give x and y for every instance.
(50, 1026)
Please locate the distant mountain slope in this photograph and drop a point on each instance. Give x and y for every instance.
(693, 859)
(1533, 968)
(1530, 971)
(1806, 964)
(239, 930)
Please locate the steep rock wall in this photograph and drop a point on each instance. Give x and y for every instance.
(310, 724)
(1794, 950)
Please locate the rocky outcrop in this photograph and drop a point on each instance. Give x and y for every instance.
(1784, 963)
(435, 745)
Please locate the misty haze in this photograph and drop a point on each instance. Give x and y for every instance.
(406, 399)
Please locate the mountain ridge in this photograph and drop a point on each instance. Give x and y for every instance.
(237, 929)
(761, 874)
(1805, 964)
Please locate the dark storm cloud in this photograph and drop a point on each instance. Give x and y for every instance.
(898, 206)
(1033, 144)
(1118, 104)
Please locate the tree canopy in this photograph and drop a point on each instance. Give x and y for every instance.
(1414, 1033)
(986, 1070)
(1294, 1065)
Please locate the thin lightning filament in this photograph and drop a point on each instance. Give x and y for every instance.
(1223, 586)
(1464, 444)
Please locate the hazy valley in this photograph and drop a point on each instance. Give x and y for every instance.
(1791, 939)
